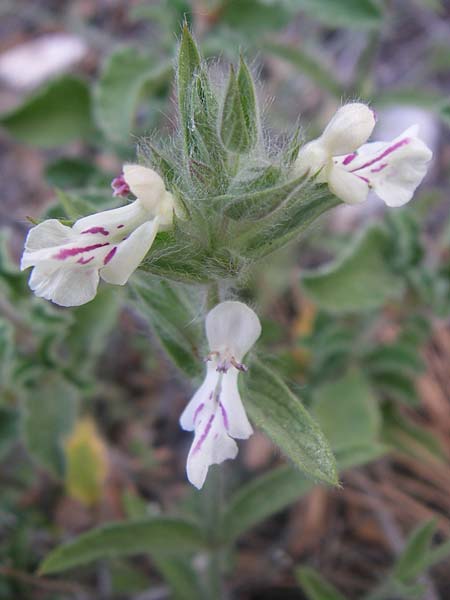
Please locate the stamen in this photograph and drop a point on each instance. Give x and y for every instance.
(239, 366)
(211, 356)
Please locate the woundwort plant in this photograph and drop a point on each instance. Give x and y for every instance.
(207, 207)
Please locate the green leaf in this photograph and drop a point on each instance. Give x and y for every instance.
(403, 434)
(359, 280)
(412, 560)
(164, 536)
(263, 496)
(49, 416)
(347, 411)
(70, 172)
(92, 324)
(124, 77)
(301, 208)
(397, 357)
(436, 555)
(273, 491)
(257, 204)
(315, 587)
(57, 114)
(187, 66)
(249, 104)
(397, 386)
(308, 64)
(239, 121)
(232, 128)
(252, 17)
(171, 314)
(343, 13)
(183, 580)
(279, 413)
(73, 205)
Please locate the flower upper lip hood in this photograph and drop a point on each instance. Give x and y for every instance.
(216, 412)
(69, 261)
(149, 188)
(340, 157)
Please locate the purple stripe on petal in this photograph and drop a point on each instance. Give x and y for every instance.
(204, 435)
(198, 410)
(348, 159)
(224, 415)
(378, 169)
(84, 261)
(68, 252)
(101, 230)
(120, 226)
(363, 178)
(110, 255)
(388, 151)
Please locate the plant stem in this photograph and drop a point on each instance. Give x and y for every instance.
(212, 505)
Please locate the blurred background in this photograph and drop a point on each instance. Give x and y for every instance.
(366, 344)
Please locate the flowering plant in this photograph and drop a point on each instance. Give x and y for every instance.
(206, 208)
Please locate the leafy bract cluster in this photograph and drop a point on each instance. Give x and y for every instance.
(237, 200)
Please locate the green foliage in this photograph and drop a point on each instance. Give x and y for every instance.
(93, 322)
(308, 64)
(49, 416)
(343, 13)
(361, 279)
(56, 114)
(239, 121)
(262, 497)
(412, 561)
(252, 17)
(183, 580)
(278, 488)
(401, 433)
(73, 205)
(126, 75)
(172, 315)
(73, 173)
(347, 411)
(160, 535)
(281, 415)
(315, 586)
(416, 558)
(303, 206)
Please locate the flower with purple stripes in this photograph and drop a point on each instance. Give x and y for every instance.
(69, 261)
(341, 158)
(216, 412)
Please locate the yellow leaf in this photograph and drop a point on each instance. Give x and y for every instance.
(87, 463)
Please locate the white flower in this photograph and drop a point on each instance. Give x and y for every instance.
(216, 412)
(393, 170)
(68, 261)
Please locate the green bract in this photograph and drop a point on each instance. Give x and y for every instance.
(237, 199)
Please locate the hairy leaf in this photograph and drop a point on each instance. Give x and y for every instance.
(174, 319)
(279, 413)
